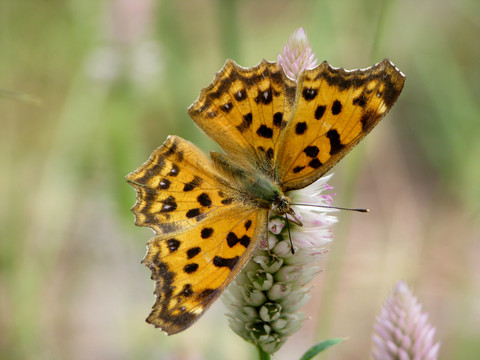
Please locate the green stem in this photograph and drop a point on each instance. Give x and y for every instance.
(262, 355)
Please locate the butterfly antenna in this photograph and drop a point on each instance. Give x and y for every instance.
(289, 235)
(335, 207)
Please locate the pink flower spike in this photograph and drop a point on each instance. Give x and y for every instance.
(297, 55)
(287, 273)
(402, 330)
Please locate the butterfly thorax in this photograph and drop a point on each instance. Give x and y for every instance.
(269, 195)
(254, 187)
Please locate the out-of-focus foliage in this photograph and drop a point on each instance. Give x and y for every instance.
(89, 88)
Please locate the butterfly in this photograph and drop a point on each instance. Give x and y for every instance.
(209, 215)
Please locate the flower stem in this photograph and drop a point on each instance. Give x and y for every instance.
(262, 355)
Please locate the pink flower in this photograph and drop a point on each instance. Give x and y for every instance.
(297, 55)
(402, 331)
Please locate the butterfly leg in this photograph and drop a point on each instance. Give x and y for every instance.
(294, 219)
(289, 235)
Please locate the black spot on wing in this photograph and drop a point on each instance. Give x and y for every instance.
(309, 94)
(360, 101)
(335, 144)
(174, 170)
(227, 201)
(192, 252)
(264, 97)
(206, 233)
(320, 111)
(277, 119)
(265, 132)
(315, 163)
(247, 121)
(336, 107)
(173, 245)
(233, 240)
(245, 241)
(192, 213)
(300, 128)
(193, 184)
(240, 95)
(311, 151)
(227, 107)
(186, 291)
(204, 200)
(297, 169)
(190, 268)
(169, 204)
(219, 261)
(164, 184)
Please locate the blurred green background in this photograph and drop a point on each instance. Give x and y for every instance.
(89, 88)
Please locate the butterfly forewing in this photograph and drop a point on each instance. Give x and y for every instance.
(192, 268)
(334, 110)
(177, 188)
(245, 110)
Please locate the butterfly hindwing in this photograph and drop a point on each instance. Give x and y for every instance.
(192, 268)
(334, 110)
(245, 110)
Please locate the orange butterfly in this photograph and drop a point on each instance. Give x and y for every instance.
(209, 215)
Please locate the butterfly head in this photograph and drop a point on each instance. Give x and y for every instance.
(281, 203)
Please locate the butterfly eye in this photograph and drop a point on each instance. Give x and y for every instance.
(281, 203)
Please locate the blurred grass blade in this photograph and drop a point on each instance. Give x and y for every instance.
(318, 348)
(20, 96)
(229, 29)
